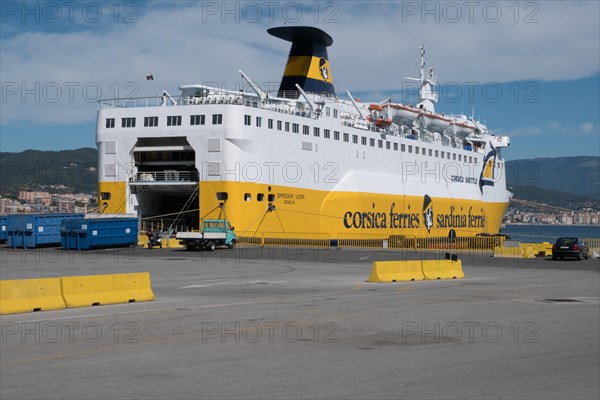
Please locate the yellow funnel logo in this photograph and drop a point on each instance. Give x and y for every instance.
(320, 70)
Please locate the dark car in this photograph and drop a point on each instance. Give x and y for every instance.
(570, 247)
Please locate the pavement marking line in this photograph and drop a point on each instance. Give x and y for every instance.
(201, 286)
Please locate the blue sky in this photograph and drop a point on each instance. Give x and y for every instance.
(530, 70)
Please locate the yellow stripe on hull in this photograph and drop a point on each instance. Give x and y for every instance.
(300, 210)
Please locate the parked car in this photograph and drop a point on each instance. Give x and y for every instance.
(570, 247)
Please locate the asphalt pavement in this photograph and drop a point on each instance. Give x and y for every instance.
(304, 323)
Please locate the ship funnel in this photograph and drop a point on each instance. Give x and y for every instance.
(308, 63)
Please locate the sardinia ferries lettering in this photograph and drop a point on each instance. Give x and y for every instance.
(380, 219)
(453, 219)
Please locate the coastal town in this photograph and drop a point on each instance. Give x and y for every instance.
(555, 217)
(45, 202)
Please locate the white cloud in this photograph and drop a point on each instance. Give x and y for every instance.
(525, 131)
(553, 128)
(374, 48)
(586, 128)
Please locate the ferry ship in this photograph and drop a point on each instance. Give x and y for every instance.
(301, 161)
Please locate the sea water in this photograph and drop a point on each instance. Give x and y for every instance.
(549, 233)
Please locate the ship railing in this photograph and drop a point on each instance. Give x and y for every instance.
(139, 102)
(165, 176)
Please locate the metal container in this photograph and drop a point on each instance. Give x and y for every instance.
(3, 230)
(95, 233)
(35, 230)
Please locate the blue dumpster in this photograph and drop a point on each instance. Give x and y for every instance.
(3, 231)
(95, 233)
(35, 230)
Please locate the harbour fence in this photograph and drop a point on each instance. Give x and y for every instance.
(367, 240)
(593, 244)
(304, 239)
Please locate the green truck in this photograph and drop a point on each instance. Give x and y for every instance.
(215, 232)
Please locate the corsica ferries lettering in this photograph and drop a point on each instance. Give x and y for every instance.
(383, 220)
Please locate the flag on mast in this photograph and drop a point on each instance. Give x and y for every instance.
(151, 78)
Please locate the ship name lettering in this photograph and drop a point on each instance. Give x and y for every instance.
(476, 221)
(381, 220)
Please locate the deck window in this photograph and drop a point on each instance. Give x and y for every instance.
(217, 119)
(336, 135)
(247, 120)
(150, 121)
(326, 133)
(110, 122)
(197, 119)
(128, 122)
(174, 120)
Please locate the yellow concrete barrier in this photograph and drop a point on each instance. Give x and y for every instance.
(442, 269)
(85, 291)
(524, 250)
(396, 271)
(27, 295)
(172, 243)
(142, 240)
